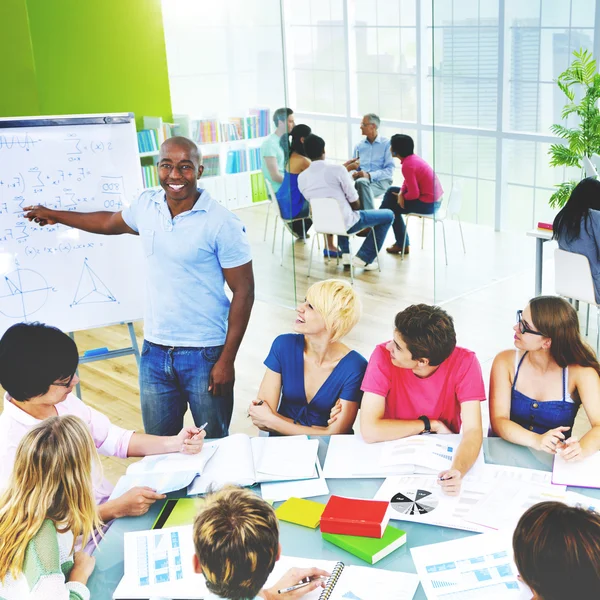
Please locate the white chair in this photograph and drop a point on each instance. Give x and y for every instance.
(448, 209)
(328, 219)
(590, 169)
(284, 220)
(573, 279)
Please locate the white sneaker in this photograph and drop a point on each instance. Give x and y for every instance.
(346, 260)
(361, 264)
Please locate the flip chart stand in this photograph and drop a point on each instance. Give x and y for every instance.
(104, 353)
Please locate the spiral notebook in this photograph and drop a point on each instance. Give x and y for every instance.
(348, 582)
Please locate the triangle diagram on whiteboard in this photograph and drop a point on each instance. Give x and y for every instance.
(91, 289)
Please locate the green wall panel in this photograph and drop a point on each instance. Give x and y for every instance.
(96, 56)
(18, 89)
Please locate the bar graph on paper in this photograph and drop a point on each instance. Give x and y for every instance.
(159, 559)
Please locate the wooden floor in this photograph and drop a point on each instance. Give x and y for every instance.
(481, 289)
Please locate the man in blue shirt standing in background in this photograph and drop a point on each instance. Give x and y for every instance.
(372, 163)
(192, 332)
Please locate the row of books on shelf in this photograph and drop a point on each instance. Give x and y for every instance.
(212, 165)
(150, 138)
(150, 176)
(236, 191)
(210, 131)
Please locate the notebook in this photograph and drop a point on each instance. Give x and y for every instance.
(242, 460)
(353, 516)
(300, 511)
(371, 550)
(350, 582)
(178, 512)
(582, 473)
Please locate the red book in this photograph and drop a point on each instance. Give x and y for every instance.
(350, 516)
(545, 226)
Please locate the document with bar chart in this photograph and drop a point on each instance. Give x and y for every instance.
(159, 563)
(471, 568)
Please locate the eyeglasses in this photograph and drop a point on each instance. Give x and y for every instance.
(65, 384)
(523, 328)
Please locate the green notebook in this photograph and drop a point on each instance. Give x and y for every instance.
(178, 512)
(369, 549)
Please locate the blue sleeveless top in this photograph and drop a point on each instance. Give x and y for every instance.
(541, 416)
(290, 200)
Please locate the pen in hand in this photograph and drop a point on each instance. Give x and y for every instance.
(200, 429)
(300, 585)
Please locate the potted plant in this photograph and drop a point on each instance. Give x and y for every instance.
(580, 83)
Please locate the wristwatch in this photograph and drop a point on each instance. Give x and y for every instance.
(426, 423)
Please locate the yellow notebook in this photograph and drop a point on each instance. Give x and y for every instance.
(300, 511)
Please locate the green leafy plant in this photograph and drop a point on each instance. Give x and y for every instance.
(580, 79)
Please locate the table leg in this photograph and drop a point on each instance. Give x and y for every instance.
(539, 264)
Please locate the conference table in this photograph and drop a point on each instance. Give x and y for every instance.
(308, 543)
(541, 236)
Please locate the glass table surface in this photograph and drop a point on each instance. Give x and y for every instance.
(308, 543)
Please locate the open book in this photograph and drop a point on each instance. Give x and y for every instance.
(349, 456)
(350, 582)
(242, 460)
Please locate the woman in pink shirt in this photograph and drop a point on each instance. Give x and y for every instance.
(37, 370)
(420, 193)
(421, 382)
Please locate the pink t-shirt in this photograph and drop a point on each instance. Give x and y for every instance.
(458, 379)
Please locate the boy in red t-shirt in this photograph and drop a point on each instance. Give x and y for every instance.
(421, 382)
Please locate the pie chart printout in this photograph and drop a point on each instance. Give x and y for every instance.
(414, 502)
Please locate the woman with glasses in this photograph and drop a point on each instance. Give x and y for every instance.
(37, 370)
(537, 389)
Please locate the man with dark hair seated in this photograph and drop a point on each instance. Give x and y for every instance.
(422, 382)
(236, 536)
(37, 370)
(420, 193)
(325, 180)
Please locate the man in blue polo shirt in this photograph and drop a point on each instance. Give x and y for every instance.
(192, 332)
(372, 166)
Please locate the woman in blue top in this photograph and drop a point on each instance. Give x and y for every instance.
(536, 391)
(292, 203)
(312, 382)
(577, 226)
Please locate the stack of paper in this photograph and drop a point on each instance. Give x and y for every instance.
(580, 473)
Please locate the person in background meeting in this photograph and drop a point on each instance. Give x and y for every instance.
(271, 152)
(420, 193)
(192, 332)
(48, 504)
(37, 370)
(311, 371)
(324, 180)
(577, 226)
(236, 536)
(421, 382)
(291, 202)
(537, 389)
(557, 551)
(372, 165)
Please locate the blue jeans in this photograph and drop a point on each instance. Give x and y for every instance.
(390, 201)
(381, 221)
(170, 379)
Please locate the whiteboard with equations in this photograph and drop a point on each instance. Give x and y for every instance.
(55, 274)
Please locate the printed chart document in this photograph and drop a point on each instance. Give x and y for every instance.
(470, 568)
(350, 582)
(242, 460)
(164, 473)
(159, 563)
(419, 498)
(580, 473)
(304, 488)
(349, 456)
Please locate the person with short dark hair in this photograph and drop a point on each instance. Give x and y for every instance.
(236, 538)
(37, 370)
(577, 226)
(422, 382)
(271, 152)
(371, 163)
(292, 203)
(420, 193)
(324, 180)
(557, 551)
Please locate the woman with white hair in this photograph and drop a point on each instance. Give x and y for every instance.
(312, 382)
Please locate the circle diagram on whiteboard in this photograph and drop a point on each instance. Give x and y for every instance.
(414, 502)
